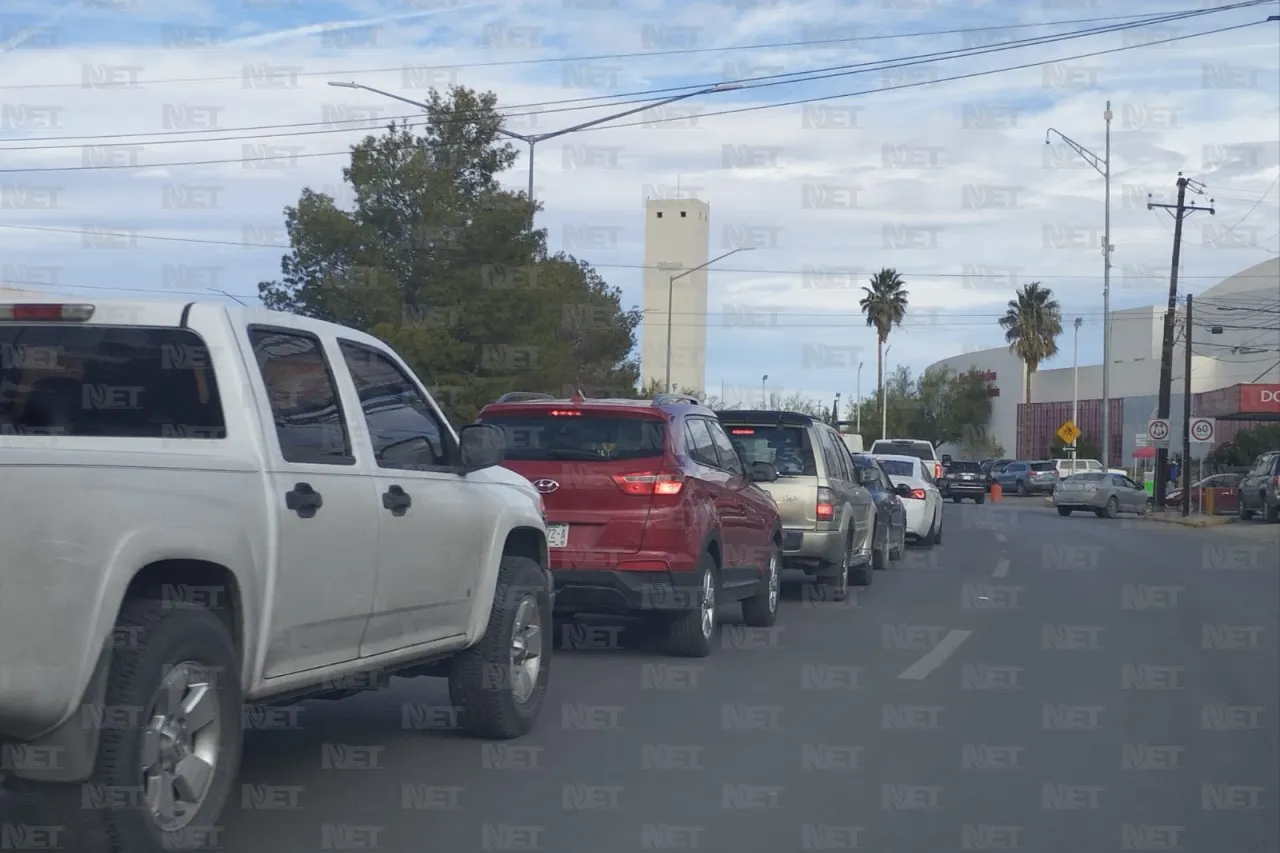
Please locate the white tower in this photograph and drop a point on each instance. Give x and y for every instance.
(676, 239)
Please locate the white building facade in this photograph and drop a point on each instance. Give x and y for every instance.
(1245, 351)
(676, 239)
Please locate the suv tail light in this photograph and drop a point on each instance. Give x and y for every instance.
(826, 509)
(666, 482)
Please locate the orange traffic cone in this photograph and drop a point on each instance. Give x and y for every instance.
(996, 492)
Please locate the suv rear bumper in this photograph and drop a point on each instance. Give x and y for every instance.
(613, 591)
(966, 488)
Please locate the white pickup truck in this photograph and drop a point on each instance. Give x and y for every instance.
(203, 505)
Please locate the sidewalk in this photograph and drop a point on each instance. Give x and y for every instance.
(1193, 520)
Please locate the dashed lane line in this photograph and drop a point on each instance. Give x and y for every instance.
(936, 656)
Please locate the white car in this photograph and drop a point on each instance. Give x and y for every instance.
(913, 481)
(917, 447)
(203, 505)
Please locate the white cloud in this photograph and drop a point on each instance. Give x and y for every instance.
(913, 167)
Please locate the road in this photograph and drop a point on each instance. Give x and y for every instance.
(1034, 683)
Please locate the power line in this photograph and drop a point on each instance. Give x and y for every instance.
(662, 120)
(627, 98)
(633, 55)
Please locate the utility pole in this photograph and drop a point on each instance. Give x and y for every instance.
(1186, 413)
(1181, 211)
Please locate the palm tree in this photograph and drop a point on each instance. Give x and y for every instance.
(1031, 326)
(885, 304)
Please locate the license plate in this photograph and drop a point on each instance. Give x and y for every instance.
(557, 535)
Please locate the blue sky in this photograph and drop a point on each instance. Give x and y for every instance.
(950, 183)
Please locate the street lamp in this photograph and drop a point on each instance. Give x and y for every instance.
(534, 138)
(1075, 382)
(1102, 165)
(764, 394)
(884, 398)
(671, 291)
(858, 403)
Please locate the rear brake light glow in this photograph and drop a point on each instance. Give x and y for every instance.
(643, 483)
(565, 413)
(826, 509)
(46, 313)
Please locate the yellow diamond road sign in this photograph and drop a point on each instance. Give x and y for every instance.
(1068, 432)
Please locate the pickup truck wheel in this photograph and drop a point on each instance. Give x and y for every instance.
(182, 671)
(761, 609)
(1270, 511)
(500, 682)
(692, 634)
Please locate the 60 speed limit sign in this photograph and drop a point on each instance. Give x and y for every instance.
(1202, 429)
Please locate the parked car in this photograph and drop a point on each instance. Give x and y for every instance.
(206, 503)
(1259, 490)
(1028, 478)
(891, 515)
(992, 467)
(963, 479)
(1217, 481)
(914, 483)
(919, 448)
(651, 511)
(828, 518)
(1102, 493)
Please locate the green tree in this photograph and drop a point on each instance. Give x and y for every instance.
(885, 304)
(1245, 447)
(948, 406)
(1031, 326)
(439, 261)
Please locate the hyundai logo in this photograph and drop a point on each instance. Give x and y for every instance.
(546, 486)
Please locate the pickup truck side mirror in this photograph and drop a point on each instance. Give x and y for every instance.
(763, 472)
(481, 446)
(946, 459)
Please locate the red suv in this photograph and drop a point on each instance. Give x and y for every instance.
(650, 510)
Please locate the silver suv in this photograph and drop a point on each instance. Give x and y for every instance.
(828, 517)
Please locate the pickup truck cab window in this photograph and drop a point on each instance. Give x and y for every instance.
(404, 430)
(304, 398)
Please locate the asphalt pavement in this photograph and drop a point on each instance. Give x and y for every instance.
(1034, 683)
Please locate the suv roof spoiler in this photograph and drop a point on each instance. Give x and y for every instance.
(767, 416)
(523, 397)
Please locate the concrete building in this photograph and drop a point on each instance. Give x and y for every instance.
(1245, 352)
(676, 237)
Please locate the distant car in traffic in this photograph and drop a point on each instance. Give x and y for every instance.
(963, 479)
(914, 483)
(891, 515)
(1259, 490)
(1217, 481)
(1102, 493)
(1028, 478)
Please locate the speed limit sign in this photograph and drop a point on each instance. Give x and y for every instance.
(1202, 429)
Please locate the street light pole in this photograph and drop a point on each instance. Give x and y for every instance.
(534, 138)
(1075, 382)
(764, 392)
(884, 398)
(857, 404)
(671, 292)
(1102, 165)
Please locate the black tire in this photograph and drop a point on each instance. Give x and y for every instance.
(896, 554)
(927, 541)
(685, 635)
(161, 637)
(761, 609)
(980, 499)
(937, 534)
(958, 499)
(1023, 491)
(1244, 514)
(835, 586)
(480, 678)
(1270, 512)
(1112, 509)
(880, 556)
(1064, 511)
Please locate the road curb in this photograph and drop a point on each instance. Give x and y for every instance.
(1193, 520)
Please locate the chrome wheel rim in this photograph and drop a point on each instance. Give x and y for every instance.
(526, 650)
(180, 745)
(774, 583)
(708, 604)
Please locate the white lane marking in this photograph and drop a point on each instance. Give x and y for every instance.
(936, 656)
(1002, 569)
(1000, 537)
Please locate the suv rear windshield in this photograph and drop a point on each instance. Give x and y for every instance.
(579, 436)
(918, 449)
(965, 467)
(786, 447)
(1043, 466)
(107, 382)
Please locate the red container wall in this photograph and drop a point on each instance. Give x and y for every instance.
(1038, 424)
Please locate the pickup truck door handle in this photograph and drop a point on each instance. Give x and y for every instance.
(303, 500)
(396, 500)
